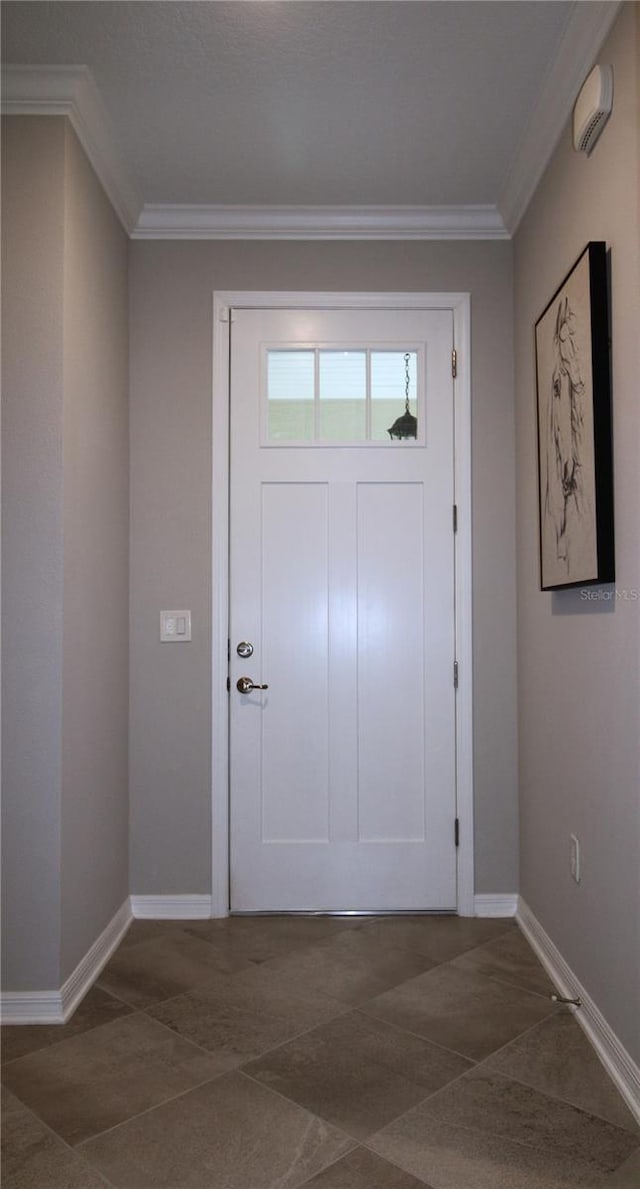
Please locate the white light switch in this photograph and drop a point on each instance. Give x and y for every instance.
(175, 626)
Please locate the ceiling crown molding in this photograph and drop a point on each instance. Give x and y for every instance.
(320, 222)
(585, 31)
(70, 91)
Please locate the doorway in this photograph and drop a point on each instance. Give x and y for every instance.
(344, 785)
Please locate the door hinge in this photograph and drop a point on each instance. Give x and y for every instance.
(227, 314)
(455, 518)
(456, 831)
(454, 363)
(228, 684)
(455, 674)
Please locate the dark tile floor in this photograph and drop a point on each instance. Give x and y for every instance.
(338, 1053)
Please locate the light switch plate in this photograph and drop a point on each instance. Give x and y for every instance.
(175, 626)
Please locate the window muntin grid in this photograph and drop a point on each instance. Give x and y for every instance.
(339, 395)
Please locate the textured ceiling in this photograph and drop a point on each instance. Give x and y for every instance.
(297, 102)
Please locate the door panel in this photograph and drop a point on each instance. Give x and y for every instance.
(391, 774)
(295, 634)
(343, 770)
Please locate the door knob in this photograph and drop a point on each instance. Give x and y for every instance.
(244, 685)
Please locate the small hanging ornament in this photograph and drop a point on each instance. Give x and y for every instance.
(405, 426)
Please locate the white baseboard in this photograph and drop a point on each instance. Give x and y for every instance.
(495, 905)
(56, 1007)
(89, 967)
(618, 1063)
(170, 908)
(32, 1007)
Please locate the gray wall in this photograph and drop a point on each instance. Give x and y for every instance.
(95, 803)
(65, 555)
(171, 531)
(32, 518)
(579, 661)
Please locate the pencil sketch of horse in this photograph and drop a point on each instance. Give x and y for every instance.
(566, 502)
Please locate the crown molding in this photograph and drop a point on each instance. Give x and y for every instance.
(70, 91)
(320, 222)
(585, 31)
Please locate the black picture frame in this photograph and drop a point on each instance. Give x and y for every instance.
(575, 461)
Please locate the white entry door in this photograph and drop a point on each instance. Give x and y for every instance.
(342, 766)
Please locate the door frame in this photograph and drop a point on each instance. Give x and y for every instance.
(224, 301)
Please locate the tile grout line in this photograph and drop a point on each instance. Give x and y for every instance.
(356, 1139)
(176, 926)
(353, 1139)
(506, 1077)
(557, 1009)
(346, 1009)
(60, 1139)
(137, 1114)
(491, 978)
(253, 964)
(417, 1035)
(496, 1135)
(395, 944)
(333, 1164)
(391, 1160)
(187, 990)
(474, 1066)
(150, 1109)
(505, 982)
(230, 1072)
(133, 1011)
(566, 1101)
(205, 1081)
(259, 1056)
(456, 1052)
(508, 1139)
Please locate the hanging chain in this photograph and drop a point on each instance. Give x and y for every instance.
(407, 357)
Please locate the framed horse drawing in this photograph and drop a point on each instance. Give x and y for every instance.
(575, 469)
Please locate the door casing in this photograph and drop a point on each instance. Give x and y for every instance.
(223, 304)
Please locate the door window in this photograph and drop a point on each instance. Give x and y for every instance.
(347, 396)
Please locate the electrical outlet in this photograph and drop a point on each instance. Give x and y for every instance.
(574, 861)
